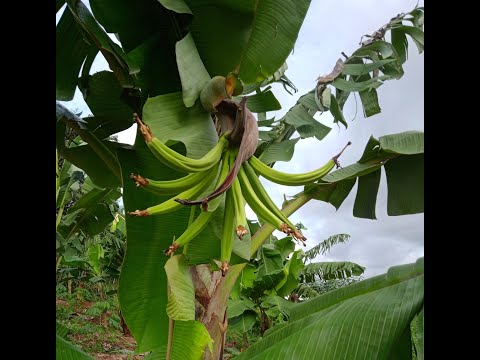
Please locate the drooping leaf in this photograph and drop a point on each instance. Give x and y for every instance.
(192, 72)
(103, 95)
(333, 193)
(361, 69)
(362, 320)
(405, 190)
(351, 172)
(366, 198)
(113, 53)
(416, 34)
(400, 43)
(242, 323)
(263, 102)
(260, 35)
(281, 151)
(305, 124)
(350, 86)
(181, 298)
(71, 50)
(239, 306)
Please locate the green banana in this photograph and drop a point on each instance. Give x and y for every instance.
(260, 209)
(171, 204)
(226, 246)
(268, 202)
(168, 187)
(209, 202)
(193, 230)
(283, 178)
(240, 216)
(177, 161)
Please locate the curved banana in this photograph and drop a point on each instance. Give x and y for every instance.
(193, 230)
(226, 244)
(168, 187)
(172, 204)
(257, 206)
(177, 161)
(283, 178)
(209, 201)
(268, 202)
(240, 216)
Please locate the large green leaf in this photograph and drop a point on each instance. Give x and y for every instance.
(365, 320)
(254, 36)
(407, 143)
(333, 193)
(103, 95)
(281, 151)
(68, 351)
(149, 44)
(143, 282)
(405, 178)
(190, 339)
(419, 336)
(192, 72)
(292, 270)
(87, 159)
(366, 198)
(305, 124)
(71, 50)
(114, 55)
(242, 323)
(276, 305)
(167, 114)
(239, 306)
(181, 297)
(97, 156)
(263, 102)
(402, 156)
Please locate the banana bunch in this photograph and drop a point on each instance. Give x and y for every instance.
(234, 170)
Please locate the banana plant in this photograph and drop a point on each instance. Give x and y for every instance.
(192, 88)
(279, 272)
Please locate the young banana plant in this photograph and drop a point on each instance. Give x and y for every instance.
(231, 165)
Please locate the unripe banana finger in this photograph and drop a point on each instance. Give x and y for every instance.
(284, 178)
(191, 232)
(240, 216)
(168, 187)
(228, 231)
(171, 204)
(177, 161)
(268, 202)
(257, 206)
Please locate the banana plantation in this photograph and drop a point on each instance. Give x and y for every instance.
(173, 247)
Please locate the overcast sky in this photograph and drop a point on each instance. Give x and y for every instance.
(330, 27)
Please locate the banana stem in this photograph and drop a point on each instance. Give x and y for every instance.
(335, 158)
(265, 230)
